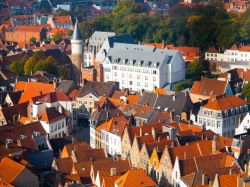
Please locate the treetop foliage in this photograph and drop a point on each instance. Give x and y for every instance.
(199, 26)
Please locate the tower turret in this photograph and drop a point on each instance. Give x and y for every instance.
(76, 54)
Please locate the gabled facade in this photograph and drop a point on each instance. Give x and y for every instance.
(202, 90)
(223, 115)
(244, 125)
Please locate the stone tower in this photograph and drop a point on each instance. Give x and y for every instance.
(76, 54)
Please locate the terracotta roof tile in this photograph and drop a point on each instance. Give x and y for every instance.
(30, 28)
(209, 87)
(33, 89)
(62, 19)
(135, 177)
(206, 164)
(224, 103)
(50, 115)
(10, 170)
(53, 97)
(64, 165)
(73, 94)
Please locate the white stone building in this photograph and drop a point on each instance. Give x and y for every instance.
(233, 54)
(244, 126)
(111, 134)
(140, 67)
(54, 123)
(222, 115)
(93, 45)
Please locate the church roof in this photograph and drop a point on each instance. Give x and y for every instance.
(77, 34)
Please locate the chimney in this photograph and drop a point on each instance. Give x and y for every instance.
(172, 144)
(140, 131)
(113, 172)
(185, 155)
(240, 181)
(215, 144)
(174, 97)
(154, 133)
(203, 179)
(171, 115)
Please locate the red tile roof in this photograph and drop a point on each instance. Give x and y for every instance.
(135, 177)
(51, 115)
(74, 94)
(53, 97)
(10, 170)
(31, 28)
(33, 89)
(224, 103)
(61, 31)
(62, 19)
(209, 87)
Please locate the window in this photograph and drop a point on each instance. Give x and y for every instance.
(115, 74)
(146, 84)
(138, 76)
(218, 124)
(138, 83)
(146, 77)
(154, 78)
(122, 74)
(130, 75)
(130, 83)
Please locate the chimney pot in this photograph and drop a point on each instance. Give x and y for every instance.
(113, 171)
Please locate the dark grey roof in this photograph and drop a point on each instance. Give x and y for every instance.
(179, 102)
(98, 88)
(122, 38)
(140, 55)
(66, 86)
(15, 96)
(77, 33)
(59, 56)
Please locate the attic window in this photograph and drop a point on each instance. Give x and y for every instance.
(23, 137)
(120, 182)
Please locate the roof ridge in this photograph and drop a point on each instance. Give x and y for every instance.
(199, 149)
(196, 164)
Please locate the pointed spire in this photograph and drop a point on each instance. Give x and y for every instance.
(77, 34)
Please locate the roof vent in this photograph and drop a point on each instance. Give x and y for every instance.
(36, 133)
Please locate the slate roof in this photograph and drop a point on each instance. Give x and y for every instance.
(66, 86)
(61, 57)
(140, 55)
(181, 102)
(98, 37)
(77, 33)
(98, 88)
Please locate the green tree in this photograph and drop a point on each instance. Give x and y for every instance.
(61, 12)
(246, 91)
(181, 85)
(29, 66)
(62, 72)
(194, 69)
(17, 67)
(57, 38)
(70, 32)
(32, 40)
(49, 65)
